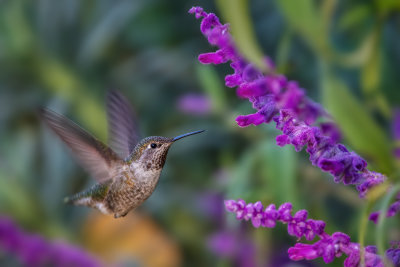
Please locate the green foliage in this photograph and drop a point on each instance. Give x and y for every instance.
(304, 18)
(358, 127)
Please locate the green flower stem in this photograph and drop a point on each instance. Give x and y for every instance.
(379, 233)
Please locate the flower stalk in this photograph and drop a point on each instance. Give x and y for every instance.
(299, 225)
(304, 124)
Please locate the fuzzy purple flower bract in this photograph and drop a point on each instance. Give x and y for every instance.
(396, 124)
(396, 132)
(195, 104)
(328, 247)
(276, 98)
(393, 254)
(393, 209)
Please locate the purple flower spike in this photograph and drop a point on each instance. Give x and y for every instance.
(314, 228)
(212, 58)
(241, 209)
(195, 104)
(233, 80)
(297, 226)
(374, 216)
(393, 254)
(371, 179)
(223, 243)
(275, 98)
(246, 120)
(270, 216)
(328, 247)
(331, 130)
(284, 212)
(231, 206)
(198, 11)
(258, 214)
(34, 250)
(302, 252)
(396, 124)
(394, 208)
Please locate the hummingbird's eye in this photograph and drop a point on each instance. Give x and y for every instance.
(153, 145)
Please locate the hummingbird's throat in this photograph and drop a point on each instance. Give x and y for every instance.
(154, 160)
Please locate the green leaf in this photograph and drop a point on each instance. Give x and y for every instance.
(16, 200)
(360, 130)
(67, 84)
(212, 85)
(371, 74)
(239, 185)
(354, 16)
(237, 13)
(16, 34)
(380, 229)
(305, 19)
(279, 169)
(386, 6)
(107, 28)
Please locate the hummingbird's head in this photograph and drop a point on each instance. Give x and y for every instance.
(151, 152)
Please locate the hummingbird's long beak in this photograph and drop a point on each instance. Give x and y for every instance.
(186, 134)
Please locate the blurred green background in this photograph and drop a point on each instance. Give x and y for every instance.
(66, 54)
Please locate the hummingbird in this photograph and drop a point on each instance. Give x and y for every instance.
(127, 171)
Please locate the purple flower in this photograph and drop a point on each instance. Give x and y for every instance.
(393, 209)
(396, 124)
(34, 250)
(371, 179)
(345, 166)
(396, 131)
(396, 152)
(233, 246)
(371, 258)
(393, 254)
(331, 130)
(314, 228)
(374, 216)
(194, 104)
(328, 247)
(223, 243)
(275, 98)
(298, 225)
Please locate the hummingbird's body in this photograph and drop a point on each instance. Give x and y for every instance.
(124, 182)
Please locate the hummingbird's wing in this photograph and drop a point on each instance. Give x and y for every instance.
(93, 155)
(123, 130)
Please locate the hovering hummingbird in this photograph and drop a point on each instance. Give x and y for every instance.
(128, 171)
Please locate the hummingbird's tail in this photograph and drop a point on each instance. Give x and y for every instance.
(90, 196)
(74, 199)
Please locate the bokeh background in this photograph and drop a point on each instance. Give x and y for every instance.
(66, 54)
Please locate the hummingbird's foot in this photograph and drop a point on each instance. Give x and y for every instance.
(117, 215)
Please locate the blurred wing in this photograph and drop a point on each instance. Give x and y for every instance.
(123, 131)
(93, 155)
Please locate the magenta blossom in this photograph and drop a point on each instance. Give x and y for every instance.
(393, 254)
(33, 250)
(233, 246)
(394, 208)
(328, 247)
(396, 132)
(195, 104)
(275, 98)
